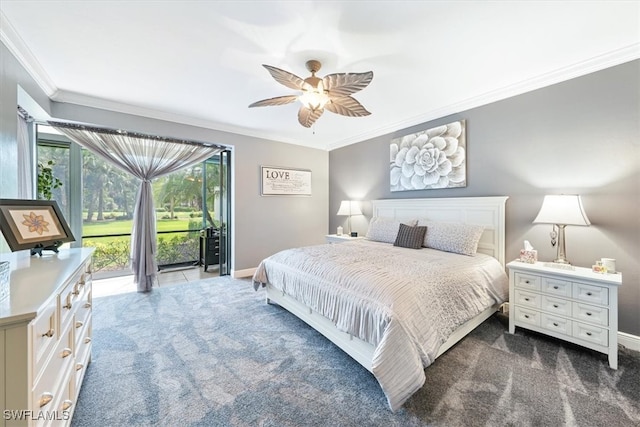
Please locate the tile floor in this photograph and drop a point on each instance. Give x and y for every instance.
(124, 284)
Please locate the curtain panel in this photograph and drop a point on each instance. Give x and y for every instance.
(25, 157)
(146, 157)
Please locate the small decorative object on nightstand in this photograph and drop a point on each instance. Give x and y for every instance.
(334, 238)
(575, 305)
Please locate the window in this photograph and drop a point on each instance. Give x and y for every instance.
(97, 199)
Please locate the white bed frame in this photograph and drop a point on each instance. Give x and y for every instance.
(486, 211)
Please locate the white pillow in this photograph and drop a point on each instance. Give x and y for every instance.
(452, 237)
(385, 229)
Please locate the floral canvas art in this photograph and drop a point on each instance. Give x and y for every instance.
(430, 159)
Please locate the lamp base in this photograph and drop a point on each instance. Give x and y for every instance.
(561, 254)
(560, 266)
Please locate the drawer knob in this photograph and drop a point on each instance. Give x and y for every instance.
(75, 292)
(589, 293)
(526, 299)
(555, 324)
(49, 333)
(87, 305)
(66, 352)
(67, 306)
(79, 366)
(555, 287)
(87, 340)
(588, 333)
(555, 305)
(526, 316)
(66, 405)
(45, 399)
(526, 281)
(79, 324)
(588, 313)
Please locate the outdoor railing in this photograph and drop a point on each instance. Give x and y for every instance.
(113, 250)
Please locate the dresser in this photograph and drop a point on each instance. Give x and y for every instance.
(575, 305)
(45, 336)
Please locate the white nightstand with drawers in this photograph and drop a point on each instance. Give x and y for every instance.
(576, 305)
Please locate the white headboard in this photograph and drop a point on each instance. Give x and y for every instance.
(486, 211)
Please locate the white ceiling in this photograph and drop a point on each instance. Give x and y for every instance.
(199, 62)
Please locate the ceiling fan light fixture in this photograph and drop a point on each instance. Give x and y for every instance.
(314, 98)
(333, 91)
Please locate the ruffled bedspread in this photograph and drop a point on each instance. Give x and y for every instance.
(405, 302)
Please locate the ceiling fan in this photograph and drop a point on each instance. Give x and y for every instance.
(331, 93)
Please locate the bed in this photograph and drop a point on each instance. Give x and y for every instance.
(394, 309)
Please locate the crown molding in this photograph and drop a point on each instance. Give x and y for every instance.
(119, 107)
(601, 62)
(12, 40)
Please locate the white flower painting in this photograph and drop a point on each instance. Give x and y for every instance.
(434, 158)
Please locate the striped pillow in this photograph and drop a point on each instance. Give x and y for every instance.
(410, 237)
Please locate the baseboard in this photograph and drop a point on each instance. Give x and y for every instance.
(632, 342)
(247, 272)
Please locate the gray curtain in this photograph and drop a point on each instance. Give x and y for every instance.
(25, 157)
(146, 157)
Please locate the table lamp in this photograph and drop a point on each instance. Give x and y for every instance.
(349, 207)
(562, 210)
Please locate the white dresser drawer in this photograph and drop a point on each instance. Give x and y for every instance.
(46, 391)
(525, 315)
(529, 299)
(557, 287)
(591, 333)
(83, 355)
(527, 281)
(556, 324)
(58, 412)
(67, 301)
(44, 335)
(590, 293)
(556, 305)
(591, 313)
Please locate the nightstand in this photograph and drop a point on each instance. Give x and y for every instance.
(334, 238)
(576, 305)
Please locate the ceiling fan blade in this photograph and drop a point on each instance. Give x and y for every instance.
(285, 78)
(343, 84)
(307, 117)
(346, 106)
(278, 100)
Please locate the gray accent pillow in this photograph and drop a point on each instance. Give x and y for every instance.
(410, 237)
(385, 229)
(452, 237)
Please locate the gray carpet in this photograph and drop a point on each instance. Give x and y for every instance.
(212, 353)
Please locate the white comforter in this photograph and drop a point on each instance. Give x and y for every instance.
(406, 302)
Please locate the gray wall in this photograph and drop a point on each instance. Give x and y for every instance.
(577, 137)
(261, 225)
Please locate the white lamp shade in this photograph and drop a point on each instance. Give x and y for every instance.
(349, 207)
(564, 209)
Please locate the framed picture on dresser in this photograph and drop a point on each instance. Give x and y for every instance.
(33, 224)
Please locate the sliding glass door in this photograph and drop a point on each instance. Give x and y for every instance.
(225, 212)
(97, 200)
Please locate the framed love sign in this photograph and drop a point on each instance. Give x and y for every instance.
(276, 181)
